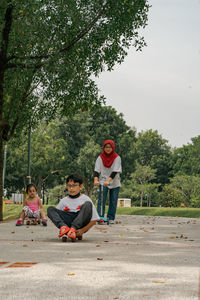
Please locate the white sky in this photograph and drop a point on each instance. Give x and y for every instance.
(159, 88)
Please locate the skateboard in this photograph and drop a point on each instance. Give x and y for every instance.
(65, 238)
(32, 221)
(103, 221)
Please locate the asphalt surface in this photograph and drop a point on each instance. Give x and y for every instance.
(138, 258)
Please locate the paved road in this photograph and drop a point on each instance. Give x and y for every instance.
(138, 258)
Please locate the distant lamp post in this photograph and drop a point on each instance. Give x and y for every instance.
(28, 177)
(4, 166)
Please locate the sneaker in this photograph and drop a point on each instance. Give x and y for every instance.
(111, 221)
(44, 222)
(63, 230)
(72, 234)
(19, 222)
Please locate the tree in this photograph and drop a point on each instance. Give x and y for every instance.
(106, 123)
(49, 157)
(60, 145)
(86, 162)
(186, 159)
(170, 196)
(189, 188)
(140, 179)
(152, 150)
(50, 49)
(98, 125)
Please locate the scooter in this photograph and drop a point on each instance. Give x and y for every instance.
(102, 220)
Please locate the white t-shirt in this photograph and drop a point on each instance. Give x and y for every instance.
(74, 205)
(106, 172)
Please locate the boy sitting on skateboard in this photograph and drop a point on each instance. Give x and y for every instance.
(75, 213)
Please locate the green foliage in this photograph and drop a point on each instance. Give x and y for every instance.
(153, 151)
(49, 157)
(138, 185)
(50, 49)
(170, 196)
(186, 160)
(189, 188)
(183, 190)
(86, 161)
(70, 145)
(55, 194)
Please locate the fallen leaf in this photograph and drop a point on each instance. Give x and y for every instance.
(13, 232)
(71, 274)
(99, 258)
(155, 281)
(25, 245)
(171, 237)
(98, 245)
(145, 230)
(121, 235)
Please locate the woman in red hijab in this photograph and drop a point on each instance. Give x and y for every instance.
(107, 174)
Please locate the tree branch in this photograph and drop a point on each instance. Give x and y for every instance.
(84, 32)
(26, 93)
(5, 32)
(22, 65)
(65, 49)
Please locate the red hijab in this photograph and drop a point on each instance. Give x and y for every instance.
(108, 159)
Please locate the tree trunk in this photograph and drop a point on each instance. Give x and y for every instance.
(1, 173)
(141, 199)
(39, 187)
(1, 143)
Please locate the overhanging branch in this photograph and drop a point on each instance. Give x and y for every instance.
(6, 32)
(65, 49)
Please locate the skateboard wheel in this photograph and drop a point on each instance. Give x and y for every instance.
(64, 239)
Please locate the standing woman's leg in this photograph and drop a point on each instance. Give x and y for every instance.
(113, 203)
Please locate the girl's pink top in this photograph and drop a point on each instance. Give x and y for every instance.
(33, 205)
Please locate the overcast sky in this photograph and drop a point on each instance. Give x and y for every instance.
(159, 88)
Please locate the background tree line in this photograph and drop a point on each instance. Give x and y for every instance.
(50, 53)
(153, 173)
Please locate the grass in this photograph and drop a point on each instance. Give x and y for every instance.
(12, 211)
(160, 211)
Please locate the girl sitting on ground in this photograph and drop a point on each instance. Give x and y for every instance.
(33, 207)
